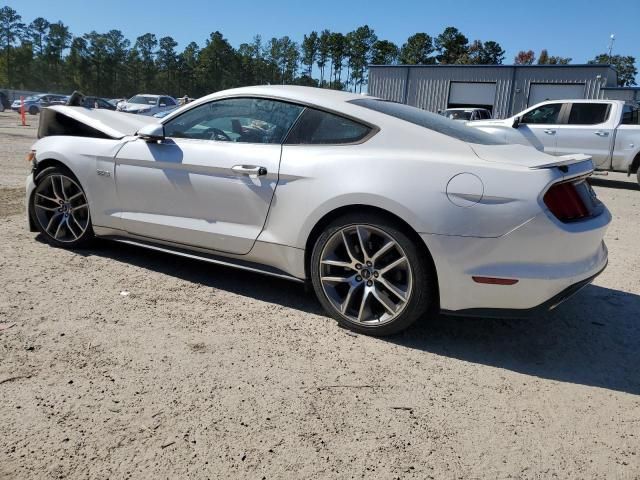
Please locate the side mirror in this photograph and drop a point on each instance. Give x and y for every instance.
(152, 132)
(516, 122)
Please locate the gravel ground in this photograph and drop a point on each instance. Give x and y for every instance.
(125, 363)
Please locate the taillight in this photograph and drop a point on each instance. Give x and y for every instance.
(564, 201)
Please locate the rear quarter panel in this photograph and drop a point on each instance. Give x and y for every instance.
(405, 173)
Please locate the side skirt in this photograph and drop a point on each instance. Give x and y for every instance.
(209, 258)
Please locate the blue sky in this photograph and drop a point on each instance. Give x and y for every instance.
(569, 28)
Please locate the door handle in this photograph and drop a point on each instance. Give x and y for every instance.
(550, 132)
(249, 170)
(600, 133)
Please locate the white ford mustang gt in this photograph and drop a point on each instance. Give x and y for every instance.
(389, 211)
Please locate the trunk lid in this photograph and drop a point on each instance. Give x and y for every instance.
(88, 122)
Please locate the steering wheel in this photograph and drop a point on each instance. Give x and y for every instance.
(218, 134)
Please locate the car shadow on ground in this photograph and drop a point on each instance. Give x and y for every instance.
(611, 183)
(592, 339)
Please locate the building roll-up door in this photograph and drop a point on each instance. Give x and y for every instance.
(539, 92)
(472, 94)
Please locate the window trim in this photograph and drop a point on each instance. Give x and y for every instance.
(374, 129)
(570, 108)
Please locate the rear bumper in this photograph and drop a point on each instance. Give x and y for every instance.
(550, 261)
(547, 306)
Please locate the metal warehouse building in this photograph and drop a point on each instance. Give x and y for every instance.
(503, 89)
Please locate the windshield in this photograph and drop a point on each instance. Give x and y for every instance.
(457, 114)
(429, 120)
(143, 100)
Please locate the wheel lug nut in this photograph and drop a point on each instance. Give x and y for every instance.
(369, 283)
(359, 278)
(369, 264)
(358, 266)
(376, 274)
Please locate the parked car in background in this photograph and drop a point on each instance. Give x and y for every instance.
(116, 101)
(389, 211)
(467, 114)
(35, 103)
(145, 104)
(97, 102)
(4, 102)
(606, 130)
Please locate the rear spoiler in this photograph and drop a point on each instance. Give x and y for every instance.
(565, 161)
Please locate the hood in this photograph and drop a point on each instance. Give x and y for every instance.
(525, 156)
(63, 120)
(135, 107)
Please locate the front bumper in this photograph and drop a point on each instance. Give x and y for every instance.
(550, 260)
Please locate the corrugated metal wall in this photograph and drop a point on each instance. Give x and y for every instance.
(428, 86)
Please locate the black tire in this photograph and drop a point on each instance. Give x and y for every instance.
(33, 110)
(638, 175)
(423, 294)
(67, 219)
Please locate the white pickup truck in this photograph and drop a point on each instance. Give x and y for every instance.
(607, 130)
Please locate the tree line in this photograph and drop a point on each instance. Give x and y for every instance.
(46, 56)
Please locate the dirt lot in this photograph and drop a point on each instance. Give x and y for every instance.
(209, 372)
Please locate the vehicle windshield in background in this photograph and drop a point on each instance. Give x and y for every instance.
(457, 114)
(142, 99)
(429, 120)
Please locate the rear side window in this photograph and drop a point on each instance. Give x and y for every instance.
(588, 113)
(316, 127)
(630, 115)
(432, 121)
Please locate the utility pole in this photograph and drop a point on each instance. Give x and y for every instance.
(612, 39)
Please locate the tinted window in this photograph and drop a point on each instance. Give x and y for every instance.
(244, 120)
(321, 128)
(546, 114)
(432, 121)
(588, 113)
(630, 115)
(458, 114)
(167, 101)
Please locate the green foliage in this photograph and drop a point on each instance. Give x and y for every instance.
(452, 46)
(545, 59)
(624, 65)
(417, 50)
(46, 56)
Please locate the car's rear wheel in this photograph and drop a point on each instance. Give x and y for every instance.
(60, 210)
(370, 275)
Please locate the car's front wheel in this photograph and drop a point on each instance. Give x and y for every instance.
(33, 110)
(370, 275)
(60, 209)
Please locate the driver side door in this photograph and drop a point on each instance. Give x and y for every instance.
(540, 126)
(210, 182)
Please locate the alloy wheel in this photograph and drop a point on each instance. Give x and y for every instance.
(61, 208)
(365, 274)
